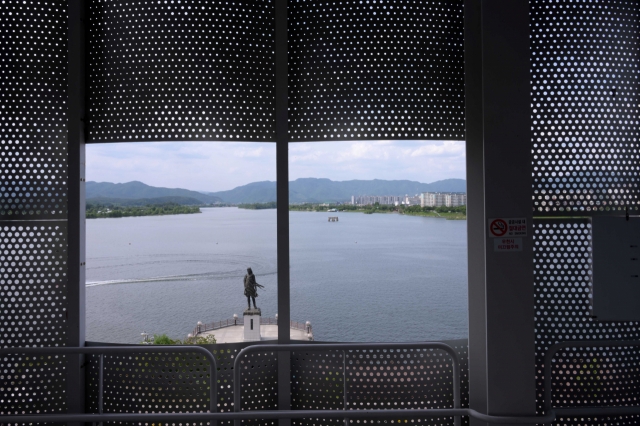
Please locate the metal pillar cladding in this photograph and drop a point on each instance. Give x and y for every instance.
(77, 93)
(282, 188)
(498, 135)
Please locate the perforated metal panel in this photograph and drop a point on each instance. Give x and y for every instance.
(580, 377)
(388, 69)
(180, 383)
(147, 383)
(187, 70)
(33, 287)
(33, 110)
(597, 376)
(419, 378)
(584, 105)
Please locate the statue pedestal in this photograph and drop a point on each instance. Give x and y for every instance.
(252, 325)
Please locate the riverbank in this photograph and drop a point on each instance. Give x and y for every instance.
(449, 213)
(96, 211)
(443, 215)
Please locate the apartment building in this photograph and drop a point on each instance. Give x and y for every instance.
(440, 199)
(364, 200)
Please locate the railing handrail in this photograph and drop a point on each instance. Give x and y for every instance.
(393, 413)
(550, 413)
(216, 325)
(237, 371)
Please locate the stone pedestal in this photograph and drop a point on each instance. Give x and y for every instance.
(252, 325)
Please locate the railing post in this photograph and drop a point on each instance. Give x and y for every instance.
(344, 384)
(101, 386)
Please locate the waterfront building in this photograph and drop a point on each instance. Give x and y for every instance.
(365, 200)
(455, 199)
(443, 199)
(411, 200)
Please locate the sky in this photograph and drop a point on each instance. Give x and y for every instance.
(219, 166)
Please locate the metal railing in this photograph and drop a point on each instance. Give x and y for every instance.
(216, 325)
(300, 326)
(117, 350)
(550, 413)
(237, 370)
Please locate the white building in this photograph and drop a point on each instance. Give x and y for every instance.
(440, 199)
(364, 200)
(455, 199)
(411, 201)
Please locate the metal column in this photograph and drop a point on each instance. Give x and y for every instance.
(282, 178)
(76, 213)
(501, 300)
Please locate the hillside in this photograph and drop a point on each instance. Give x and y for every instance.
(313, 190)
(157, 201)
(304, 190)
(138, 190)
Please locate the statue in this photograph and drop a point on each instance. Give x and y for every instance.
(251, 288)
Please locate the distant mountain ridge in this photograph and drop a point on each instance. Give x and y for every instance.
(136, 190)
(303, 190)
(315, 190)
(127, 202)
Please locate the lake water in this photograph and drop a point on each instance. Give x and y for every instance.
(379, 277)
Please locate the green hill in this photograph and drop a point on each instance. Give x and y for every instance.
(313, 190)
(304, 190)
(130, 202)
(138, 190)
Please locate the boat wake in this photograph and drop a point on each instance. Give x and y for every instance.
(199, 268)
(188, 277)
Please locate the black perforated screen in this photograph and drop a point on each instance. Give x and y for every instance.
(585, 376)
(33, 289)
(387, 69)
(33, 110)
(183, 70)
(33, 203)
(584, 72)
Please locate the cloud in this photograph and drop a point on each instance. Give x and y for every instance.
(203, 166)
(445, 149)
(216, 166)
(424, 161)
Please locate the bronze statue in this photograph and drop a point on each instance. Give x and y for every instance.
(251, 288)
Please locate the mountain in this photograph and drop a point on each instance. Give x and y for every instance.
(304, 190)
(138, 190)
(126, 202)
(256, 192)
(313, 190)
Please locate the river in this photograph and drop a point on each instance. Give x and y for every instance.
(378, 277)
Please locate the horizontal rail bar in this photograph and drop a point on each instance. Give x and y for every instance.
(120, 350)
(237, 371)
(551, 353)
(275, 414)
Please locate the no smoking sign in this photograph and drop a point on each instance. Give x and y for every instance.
(498, 227)
(508, 227)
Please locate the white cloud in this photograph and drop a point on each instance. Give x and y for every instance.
(216, 166)
(203, 166)
(424, 161)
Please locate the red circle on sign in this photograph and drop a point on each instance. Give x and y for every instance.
(498, 227)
